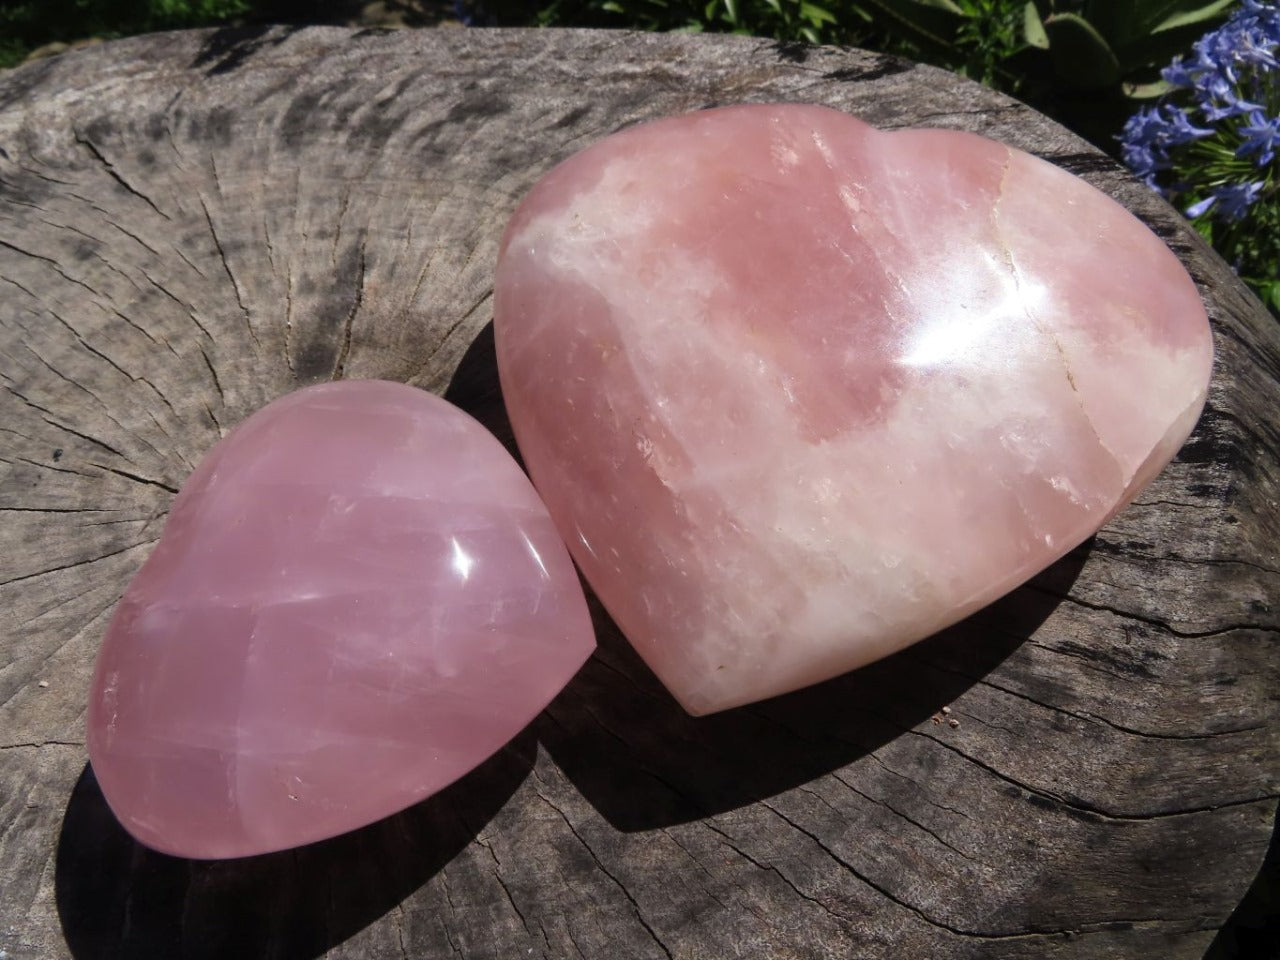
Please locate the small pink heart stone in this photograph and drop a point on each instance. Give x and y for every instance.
(358, 598)
(799, 393)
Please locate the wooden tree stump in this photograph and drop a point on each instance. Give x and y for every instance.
(196, 223)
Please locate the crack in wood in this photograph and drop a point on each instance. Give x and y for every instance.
(146, 333)
(835, 775)
(922, 788)
(1153, 621)
(1093, 717)
(115, 174)
(137, 478)
(770, 868)
(49, 261)
(188, 309)
(43, 510)
(74, 563)
(15, 283)
(635, 906)
(1087, 810)
(226, 266)
(340, 364)
(110, 219)
(288, 321)
(497, 875)
(48, 466)
(48, 417)
(399, 921)
(38, 745)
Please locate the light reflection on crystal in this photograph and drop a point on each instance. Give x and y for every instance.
(462, 561)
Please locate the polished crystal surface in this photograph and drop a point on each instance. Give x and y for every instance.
(799, 392)
(357, 598)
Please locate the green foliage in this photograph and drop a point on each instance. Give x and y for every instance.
(26, 24)
(812, 21)
(1253, 247)
(1086, 62)
(1082, 61)
(971, 37)
(1096, 44)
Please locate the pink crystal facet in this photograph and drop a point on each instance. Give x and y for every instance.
(799, 392)
(358, 597)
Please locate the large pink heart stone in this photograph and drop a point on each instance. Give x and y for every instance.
(358, 597)
(798, 392)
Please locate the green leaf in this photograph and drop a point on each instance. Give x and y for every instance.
(927, 25)
(816, 15)
(1033, 27)
(1127, 21)
(731, 6)
(1206, 12)
(1157, 49)
(1146, 91)
(1081, 56)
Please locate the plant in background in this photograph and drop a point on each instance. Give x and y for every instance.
(25, 24)
(1081, 61)
(812, 21)
(1211, 145)
(1102, 44)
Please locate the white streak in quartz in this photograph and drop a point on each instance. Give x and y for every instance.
(1105, 397)
(1031, 311)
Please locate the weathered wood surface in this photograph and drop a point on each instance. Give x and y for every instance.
(193, 224)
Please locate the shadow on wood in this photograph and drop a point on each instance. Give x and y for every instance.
(475, 389)
(118, 899)
(226, 49)
(1252, 932)
(644, 763)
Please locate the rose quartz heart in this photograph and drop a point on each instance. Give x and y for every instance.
(358, 597)
(799, 393)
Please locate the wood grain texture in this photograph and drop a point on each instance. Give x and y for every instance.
(192, 224)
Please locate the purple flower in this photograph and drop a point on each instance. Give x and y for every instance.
(1181, 74)
(1180, 128)
(1201, 207)
(1261, 134)
(1223, 59)
(1150, 133)
(1225, 92)
(1144, 144)
(1235, 198)
(1231, 201)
